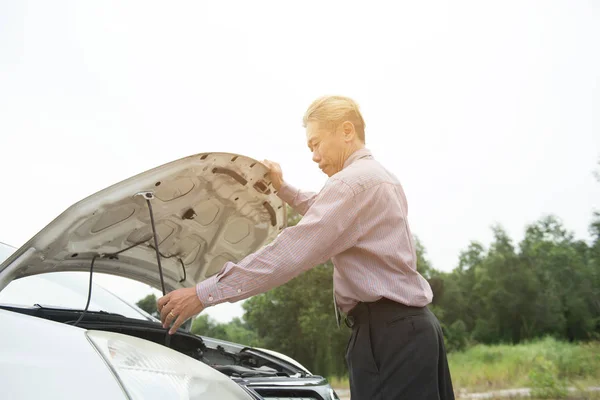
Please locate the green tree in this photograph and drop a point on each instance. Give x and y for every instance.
(459, 303)
(550, 285)
(593, 273)
(236, 331)
(149, 305)
(561, 268)
(423, 265)
(502, 285)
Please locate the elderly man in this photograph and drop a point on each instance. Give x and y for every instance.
(359, 220)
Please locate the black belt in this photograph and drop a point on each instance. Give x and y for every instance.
(385, 308)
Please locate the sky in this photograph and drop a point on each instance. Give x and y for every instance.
(488, 112)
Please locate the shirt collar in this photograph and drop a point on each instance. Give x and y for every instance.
(364, 152)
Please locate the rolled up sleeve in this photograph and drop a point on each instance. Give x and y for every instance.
(328, 228)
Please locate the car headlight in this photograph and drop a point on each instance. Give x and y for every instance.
(148, 370)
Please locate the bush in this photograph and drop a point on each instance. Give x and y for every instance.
(545, 380)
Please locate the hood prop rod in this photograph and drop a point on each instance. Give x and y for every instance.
(149, 196)
(160, 272)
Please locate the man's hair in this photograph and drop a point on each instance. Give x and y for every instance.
(334, 110)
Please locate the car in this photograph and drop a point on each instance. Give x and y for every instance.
(66, 336)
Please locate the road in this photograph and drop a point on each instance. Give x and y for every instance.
(344, 394)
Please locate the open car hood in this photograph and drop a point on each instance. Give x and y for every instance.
(208, 209)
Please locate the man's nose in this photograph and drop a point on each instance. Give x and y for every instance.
(316, 157)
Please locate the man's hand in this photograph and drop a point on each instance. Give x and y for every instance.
(276, 175)
(178, 306)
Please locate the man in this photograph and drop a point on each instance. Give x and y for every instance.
(359, 220)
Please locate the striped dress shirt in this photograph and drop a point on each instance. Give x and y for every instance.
(358, 220)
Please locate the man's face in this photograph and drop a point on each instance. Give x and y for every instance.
(327, 146)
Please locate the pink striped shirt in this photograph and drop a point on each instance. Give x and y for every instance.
(358, 220)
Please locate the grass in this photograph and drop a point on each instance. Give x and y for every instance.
(484, 368)
(547, 365)
(337, 382)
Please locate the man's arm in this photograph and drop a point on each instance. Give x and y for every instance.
(327, 229)
(299, 200)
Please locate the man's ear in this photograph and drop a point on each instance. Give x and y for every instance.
(348, 131)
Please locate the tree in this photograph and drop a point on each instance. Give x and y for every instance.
(423, 265)
(458, 302)
(560, 266)
(236, 331)
(594, 272)
(502, 286)
(149, 305)
(549, 285)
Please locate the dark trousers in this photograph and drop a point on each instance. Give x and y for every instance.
(396, 352)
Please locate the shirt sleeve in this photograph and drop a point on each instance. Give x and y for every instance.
(328, 228)
(299, 200)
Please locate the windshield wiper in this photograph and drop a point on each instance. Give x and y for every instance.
(66, 309)
(41, 307)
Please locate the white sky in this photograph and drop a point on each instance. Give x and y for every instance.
(487, 111)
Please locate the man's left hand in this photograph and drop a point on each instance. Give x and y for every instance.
(178, 305)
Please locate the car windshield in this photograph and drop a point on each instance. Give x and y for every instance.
(63, 290)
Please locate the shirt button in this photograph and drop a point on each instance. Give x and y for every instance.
(210, 298)
(239, 290)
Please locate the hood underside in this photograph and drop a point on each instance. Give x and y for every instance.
(208, 209)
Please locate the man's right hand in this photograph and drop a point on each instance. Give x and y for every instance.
(275, 174)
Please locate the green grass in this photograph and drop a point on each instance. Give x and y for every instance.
(337, 382)
(547, 365)
(483, 368)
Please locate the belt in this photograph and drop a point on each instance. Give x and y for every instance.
(385, 308)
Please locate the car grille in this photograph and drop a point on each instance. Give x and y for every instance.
(293, 394)
(290, 398)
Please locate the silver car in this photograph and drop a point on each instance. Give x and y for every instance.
(65, 336)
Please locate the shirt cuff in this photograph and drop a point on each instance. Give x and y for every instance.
(208, 292)
(287, 193)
